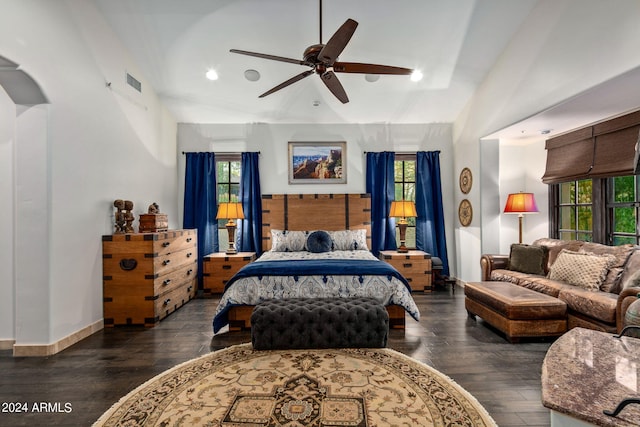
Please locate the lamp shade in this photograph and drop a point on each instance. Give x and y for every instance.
(403, 209)
(230, 210)
(519, 203)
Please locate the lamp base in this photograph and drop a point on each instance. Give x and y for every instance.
(231, 229)
(403, 249)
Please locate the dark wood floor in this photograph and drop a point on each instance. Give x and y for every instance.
(93, 374)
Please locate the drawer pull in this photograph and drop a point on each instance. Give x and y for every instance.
(166, 302)
(165, 244)
(226, 267)
(166, 261)
(189, 288)
(128, 264)
(166, 282)
(188, 239)
(189, 272)
(189, 255)
(407, 265)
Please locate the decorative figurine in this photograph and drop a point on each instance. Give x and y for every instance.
(154, 208)
(128, 216)
(119, 216)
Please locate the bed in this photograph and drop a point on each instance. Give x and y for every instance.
(341, 266)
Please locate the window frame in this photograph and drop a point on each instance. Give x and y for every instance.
(410, 240)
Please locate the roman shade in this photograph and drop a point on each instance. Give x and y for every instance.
(602, 150)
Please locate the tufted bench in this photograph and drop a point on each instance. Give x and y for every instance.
(319, 323)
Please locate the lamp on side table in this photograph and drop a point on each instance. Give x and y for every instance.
(230, 211)
(402, 209)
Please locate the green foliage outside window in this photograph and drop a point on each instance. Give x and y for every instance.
(405, 189)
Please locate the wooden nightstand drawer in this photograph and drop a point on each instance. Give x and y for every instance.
(415, 266)
(218, 268)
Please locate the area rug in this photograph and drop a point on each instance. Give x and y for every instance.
(241, 387)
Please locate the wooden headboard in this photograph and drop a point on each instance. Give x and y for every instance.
(315, 212)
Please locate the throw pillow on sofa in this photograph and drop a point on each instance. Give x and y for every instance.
(581, 269)
(633, 281)
(530, 259)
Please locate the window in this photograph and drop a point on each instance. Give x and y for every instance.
(228, 182)
(599, 210)
(405, 189)
(622, 208)
(575, 210)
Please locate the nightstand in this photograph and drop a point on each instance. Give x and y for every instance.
(218, 267)
(415, 266)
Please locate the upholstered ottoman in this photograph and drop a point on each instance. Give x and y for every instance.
(319, 323)
(518, 312)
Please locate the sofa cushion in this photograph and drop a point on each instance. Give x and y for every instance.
(503, 275)
(612, 282)
(599, 305)
(581, 269)
(543, 285)
(528, 259)
(556, 245)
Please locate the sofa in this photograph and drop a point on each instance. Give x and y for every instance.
(596, 281)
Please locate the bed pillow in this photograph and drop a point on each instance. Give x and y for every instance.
(528, 259)
(582, 269)
(288, 241)
(349, 240)
(319, 241)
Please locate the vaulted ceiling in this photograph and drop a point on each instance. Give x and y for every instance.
(453, 43)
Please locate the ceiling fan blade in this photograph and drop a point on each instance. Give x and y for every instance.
(337, 42)
(272, 57)
(356, 67)
(287, 83)
(331, 81)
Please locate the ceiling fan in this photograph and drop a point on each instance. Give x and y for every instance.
(322, 58)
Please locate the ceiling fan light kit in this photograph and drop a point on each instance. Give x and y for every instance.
(322, 58)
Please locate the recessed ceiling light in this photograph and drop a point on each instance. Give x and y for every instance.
(371, 77)
(316, 103)
(252, 75)
(212, 74)
(416, 76)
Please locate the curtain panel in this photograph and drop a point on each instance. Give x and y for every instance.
(249, 236)
(430, 232)
(200, 203)
(380, 185)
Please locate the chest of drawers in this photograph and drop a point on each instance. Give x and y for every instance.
(147, 276)
(415, 266)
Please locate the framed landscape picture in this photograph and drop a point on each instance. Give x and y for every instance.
(317, 163)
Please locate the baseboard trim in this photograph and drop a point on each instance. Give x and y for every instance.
(7, 344)
(43, 350)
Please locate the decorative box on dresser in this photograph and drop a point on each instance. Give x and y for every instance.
(415, 266)
(219, 267)
(147, 276)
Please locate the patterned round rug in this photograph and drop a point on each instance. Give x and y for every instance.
(239, 386)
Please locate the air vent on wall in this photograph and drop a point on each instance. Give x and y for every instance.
(134, 83)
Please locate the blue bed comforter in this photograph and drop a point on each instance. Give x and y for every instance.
(320, 278)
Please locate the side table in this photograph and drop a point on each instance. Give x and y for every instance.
(415, 266)
(219, 267)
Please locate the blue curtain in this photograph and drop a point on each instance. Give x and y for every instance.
(380, 185)
(249, 237)
(430, 235)
(200, 203)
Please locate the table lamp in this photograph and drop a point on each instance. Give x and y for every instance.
(230, 211)
(520, 203)
(402, 209)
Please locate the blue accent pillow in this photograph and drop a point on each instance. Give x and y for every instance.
(319, 241)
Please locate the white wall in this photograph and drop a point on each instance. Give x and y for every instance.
(563, 48)
(272, 142)
(101, 143)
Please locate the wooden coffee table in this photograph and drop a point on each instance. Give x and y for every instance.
(516, 311)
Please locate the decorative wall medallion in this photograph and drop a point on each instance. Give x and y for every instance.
(466, 180)
(465, 212)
